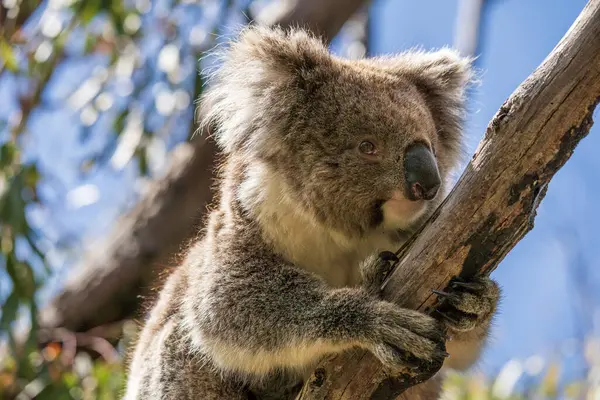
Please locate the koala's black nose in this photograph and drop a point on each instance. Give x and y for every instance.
(421, 172)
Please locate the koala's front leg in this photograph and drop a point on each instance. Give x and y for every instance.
(374, 271)
(467, 311)
(278, 316)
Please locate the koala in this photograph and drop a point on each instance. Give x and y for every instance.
(326, 163)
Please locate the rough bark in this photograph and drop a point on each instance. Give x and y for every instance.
(108, 283)
(494, 203)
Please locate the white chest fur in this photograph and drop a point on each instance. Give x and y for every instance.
(301, 239)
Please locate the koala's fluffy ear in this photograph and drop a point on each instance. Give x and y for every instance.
(442, 78)
(289, 54)
(261, 70)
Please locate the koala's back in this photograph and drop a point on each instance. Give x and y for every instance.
(164, 365)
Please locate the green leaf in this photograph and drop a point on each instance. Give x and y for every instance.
(8, 153)
(90, 43)
(142, 157)
(27, 280)
(22, 277)
(119, 122)
(14, 210)
(87, 10)
(117, 15)
(31, 175)
(9, 311)
(102, 373)
(70, 379)
(8, 56)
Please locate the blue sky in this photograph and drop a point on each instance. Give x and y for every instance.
(555, 268)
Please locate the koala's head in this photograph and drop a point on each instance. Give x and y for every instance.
(362, 145)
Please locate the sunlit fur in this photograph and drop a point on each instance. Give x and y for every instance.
(274, 283)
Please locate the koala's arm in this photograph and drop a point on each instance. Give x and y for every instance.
(259, 314)
(467, 311)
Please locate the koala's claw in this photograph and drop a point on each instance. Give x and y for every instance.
(447, 317)
(441, 293)
(469, 303)
(473, 286)
(375, 269)
(388, 256)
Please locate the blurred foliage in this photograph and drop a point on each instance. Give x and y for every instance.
(83, 378)
(142, 77)
(534, 378)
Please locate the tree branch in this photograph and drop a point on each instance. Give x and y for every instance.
(494, 203)
(106, 286)
(468, 25)
(324, 18)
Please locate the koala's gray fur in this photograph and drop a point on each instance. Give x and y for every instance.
(275, 281)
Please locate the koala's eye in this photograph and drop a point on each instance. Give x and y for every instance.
(367, 147)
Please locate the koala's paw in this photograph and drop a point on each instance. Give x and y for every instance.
(408, 339)
(375, 269)
(468, 304)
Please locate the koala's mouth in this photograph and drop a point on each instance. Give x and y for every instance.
(400, 216)
(417, 223)
(407, 208)
(400, 213)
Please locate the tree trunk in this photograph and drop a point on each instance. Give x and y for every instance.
(107, 285)
(494, 203)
